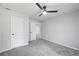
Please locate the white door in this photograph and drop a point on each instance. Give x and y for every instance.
(34, 30)
(17, 31)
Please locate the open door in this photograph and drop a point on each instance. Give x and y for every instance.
(34, 30)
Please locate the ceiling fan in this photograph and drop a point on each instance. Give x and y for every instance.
(44, 11)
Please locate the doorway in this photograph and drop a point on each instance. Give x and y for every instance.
(34, 30)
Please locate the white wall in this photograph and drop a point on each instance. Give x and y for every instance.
(63, 29)
(5, 39)
(0, 32)
(5, 27)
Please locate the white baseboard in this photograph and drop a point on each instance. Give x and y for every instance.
(13, 47)
(63, 45)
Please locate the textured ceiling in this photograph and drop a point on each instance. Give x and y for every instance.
(25, 8)
(61, 7)
(31, 10)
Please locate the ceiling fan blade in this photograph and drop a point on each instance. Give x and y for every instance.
(41, 14)
(39, 5)
(52, 11)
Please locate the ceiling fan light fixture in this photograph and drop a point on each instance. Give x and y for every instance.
(44, 13)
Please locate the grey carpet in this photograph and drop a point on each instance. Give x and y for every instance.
(41, 48)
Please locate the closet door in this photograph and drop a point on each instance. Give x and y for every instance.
(17, 31)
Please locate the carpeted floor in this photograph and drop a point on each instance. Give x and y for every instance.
(41, 48)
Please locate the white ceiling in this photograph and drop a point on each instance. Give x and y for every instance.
(31, 10)
(25, 8)
(61, 7)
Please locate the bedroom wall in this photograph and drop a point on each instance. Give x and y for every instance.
(0, 38)
(63, 29)
(5, 27)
